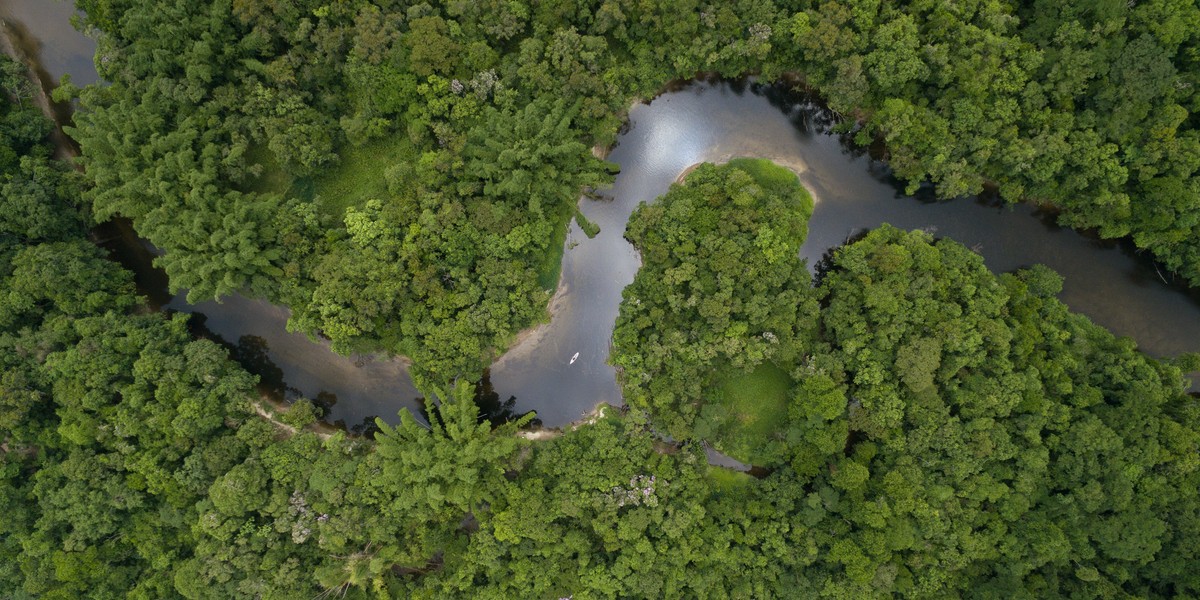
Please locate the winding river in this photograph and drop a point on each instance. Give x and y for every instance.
(692, 122)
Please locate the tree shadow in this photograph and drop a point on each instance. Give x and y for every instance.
(492, 408)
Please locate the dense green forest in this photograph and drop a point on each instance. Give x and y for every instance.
(402, 177)
(945, 432)
(720, 295)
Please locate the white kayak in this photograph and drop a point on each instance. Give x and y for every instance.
(573, 358)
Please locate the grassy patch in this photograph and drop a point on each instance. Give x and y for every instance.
(551, 264)
(756, 407)
(359, 174)
(273, 179)
(589, 228)
(767, 173)
(727, 480)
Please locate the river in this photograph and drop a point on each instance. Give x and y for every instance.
(352, 389)
(713, 121)
(692, 122)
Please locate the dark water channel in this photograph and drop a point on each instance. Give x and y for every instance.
(691, 123)
(353, 389)
(715, 121)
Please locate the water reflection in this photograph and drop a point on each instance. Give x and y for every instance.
(353, 390)
(495, 410)
(325, 401)
(695, 121)
(854, 192)
(48, 35)
(251, 352)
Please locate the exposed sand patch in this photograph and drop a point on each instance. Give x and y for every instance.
(601, 151)
(319, 428)
(527, 339)
(538, 435)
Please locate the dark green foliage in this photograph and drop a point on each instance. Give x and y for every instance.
(22, 128)
(952, 433)
(442, 267)
(130, 464)
(1084, 108)
(945, 432)
(589, 228)
(1025, 436)
(721, 292)
(593, 512)
(469, 227)
(957, 433)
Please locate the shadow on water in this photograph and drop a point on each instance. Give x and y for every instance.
(822, 267)
(704, 119)
(322, 372)
(368, 427)
(718, 459)
(325, 401)
(495, 410)
(488, 401)
(251, 352)
(123, 246)
(805, 110)
(30, 48)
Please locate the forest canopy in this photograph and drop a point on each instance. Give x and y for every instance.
(401, 176)
(948, 432)
(930, 409)
(721, 294)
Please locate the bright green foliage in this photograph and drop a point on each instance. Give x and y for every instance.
(594, 512)
(358, 179)
(751, 409)
(530, 158)
(454, 464)
(589, 228)
(1083, 107)
(456, 265)
(950, 433)
(1068, 103)
(130, 465)
(720, 293)
(470, 218)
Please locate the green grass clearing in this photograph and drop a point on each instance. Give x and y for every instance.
(767, 173)
(727, 480)
(551, 264)
(273, 179)
(360, 174)
(757, 406)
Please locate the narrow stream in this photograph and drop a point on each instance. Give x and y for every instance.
(693, 122)
(352, 389)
